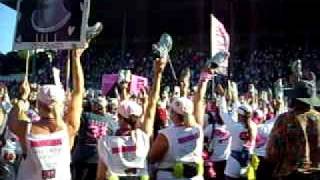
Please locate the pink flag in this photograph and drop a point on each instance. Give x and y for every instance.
(220, 42)
(138, 83)
(108, 81)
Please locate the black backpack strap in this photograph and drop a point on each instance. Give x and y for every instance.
(212, 122)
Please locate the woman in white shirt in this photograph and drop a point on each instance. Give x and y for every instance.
(243, 132)
(178, 149)
(219, 140)
(125, 154)
(265, 169)
(47, 142)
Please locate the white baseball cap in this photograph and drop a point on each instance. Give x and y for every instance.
(101, 101)
(51, 93)
(244, 109)
(182, 106)
(128, 108)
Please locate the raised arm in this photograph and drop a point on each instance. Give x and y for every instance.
(228, 118)
(124, 91)
(148, 122)
(185, 82)
(75, 105)
(18, 119)
(199, 102)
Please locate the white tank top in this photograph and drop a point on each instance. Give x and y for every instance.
(239, 138)
(221, 142)
(264, 131)
(48, 157)
(185, 145)
(125, 155)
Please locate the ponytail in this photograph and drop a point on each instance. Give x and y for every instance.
(218, 117)
(189, 120)
(248, 125)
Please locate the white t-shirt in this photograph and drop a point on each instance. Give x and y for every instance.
(48, 157)
(121, 153)
(185, 145)
(239, 136)
(221, 142)
(264, 131)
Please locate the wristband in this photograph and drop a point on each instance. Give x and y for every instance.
(205, 76)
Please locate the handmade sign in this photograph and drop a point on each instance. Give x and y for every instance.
(47, 24)
(138, 83)
(220, 42)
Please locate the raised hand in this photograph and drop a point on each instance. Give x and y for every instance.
(77, 52)
(160, 65)
(143, 96)
(24, 89)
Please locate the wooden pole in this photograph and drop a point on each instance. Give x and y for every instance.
(27, 64)
(68, 72)
(212, 31)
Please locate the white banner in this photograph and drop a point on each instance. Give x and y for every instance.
(220, 42)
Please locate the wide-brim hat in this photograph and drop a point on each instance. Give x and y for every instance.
(305, 91)
(313, 101)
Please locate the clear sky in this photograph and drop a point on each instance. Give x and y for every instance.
(7, 28)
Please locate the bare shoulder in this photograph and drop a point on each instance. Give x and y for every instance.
(44, 130)
(313, 115)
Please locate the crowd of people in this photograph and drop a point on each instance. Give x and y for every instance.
(262, 66)
(172, 130)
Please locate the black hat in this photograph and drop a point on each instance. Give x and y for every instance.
(305, 91)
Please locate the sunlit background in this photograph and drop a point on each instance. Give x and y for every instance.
(7, 27)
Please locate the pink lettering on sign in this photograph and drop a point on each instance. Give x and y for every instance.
(53, 142)
(188, 138)
(48, 174)
(117, 150)
(138, 83)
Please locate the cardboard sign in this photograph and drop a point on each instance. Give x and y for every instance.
(138, 83)
(58, 24)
